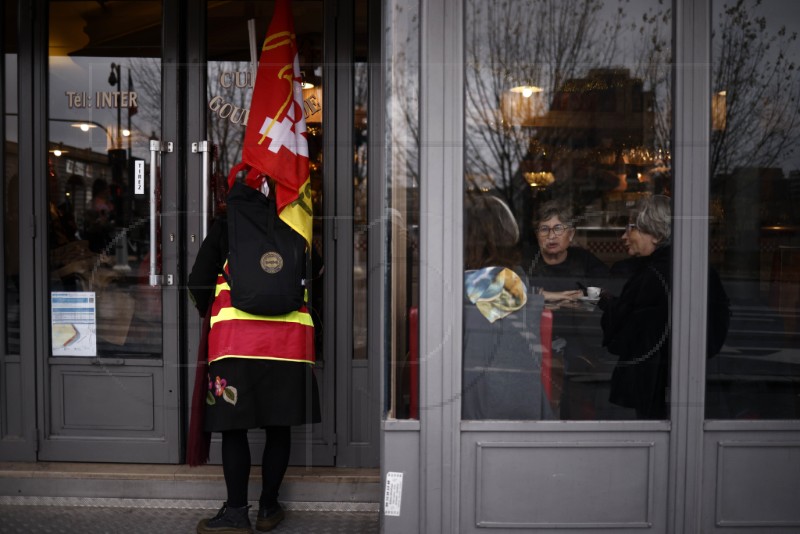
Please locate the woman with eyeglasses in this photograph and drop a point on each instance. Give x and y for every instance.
(636, 324)
(558, 265)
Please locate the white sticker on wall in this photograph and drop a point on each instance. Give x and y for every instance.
(138, 177)
(394, 493)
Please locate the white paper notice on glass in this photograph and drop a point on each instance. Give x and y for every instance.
(394, 493)
(74, 323)
(138, 177)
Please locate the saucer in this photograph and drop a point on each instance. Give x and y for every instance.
(589, 299)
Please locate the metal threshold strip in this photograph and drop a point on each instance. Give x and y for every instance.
(190, 504)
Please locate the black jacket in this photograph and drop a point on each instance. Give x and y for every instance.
(636, 327)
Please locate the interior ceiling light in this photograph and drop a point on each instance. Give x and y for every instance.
(526, 90)
(539, 179)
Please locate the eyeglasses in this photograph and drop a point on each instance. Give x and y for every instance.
(630, 227)
(558, 230)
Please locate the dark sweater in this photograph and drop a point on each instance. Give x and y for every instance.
(579, 266)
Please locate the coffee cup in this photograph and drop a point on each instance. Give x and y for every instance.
(593, 292)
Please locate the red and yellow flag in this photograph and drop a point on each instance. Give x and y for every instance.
(275, 141)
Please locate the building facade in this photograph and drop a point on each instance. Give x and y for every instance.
(122, 119)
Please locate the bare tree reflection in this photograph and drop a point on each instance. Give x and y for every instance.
(755, 79)
(539, 43)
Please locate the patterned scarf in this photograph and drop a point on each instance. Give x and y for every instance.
(495, 291)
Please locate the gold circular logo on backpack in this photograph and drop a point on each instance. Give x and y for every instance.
(271, 262)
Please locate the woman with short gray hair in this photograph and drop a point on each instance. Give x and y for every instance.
(654, 218)
(636, 324)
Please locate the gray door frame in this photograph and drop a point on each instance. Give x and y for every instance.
(680, 462)
(357, 381)
(18, 436)
(691, 131)
(161, 442)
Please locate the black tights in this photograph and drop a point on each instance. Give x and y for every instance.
(236, 464)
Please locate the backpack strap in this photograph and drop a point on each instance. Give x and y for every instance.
(236, 169)
(254, 178)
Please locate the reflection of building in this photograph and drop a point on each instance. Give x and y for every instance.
(794, 187)
(607, 109)
(755, 217)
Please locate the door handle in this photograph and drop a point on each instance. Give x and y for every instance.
(156, 147)
(202, 147)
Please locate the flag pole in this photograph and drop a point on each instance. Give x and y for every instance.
(251, 30)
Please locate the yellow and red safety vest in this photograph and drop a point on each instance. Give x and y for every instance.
(238, 334)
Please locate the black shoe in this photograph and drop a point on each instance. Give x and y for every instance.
(268, 518)
(227, 521)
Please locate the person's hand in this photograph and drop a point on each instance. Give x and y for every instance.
(571, 295)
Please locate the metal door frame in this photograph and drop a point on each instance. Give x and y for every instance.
(94, 448)
(22, 391)
(353, 452)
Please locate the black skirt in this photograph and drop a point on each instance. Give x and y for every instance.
(253, 393)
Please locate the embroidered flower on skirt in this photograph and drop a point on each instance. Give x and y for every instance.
(219, 388)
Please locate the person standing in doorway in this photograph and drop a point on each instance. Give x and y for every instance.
(252, 383)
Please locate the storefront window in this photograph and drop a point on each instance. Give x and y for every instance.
(10, 193)
(360, 182)
(753, 370)
(402, 34)
(567, 188)
(104, 108)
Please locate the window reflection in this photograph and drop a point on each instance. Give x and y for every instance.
(754, 226)
(10, 159)
(360, 221)
(569, 126)
(104, 108)
(402, 35)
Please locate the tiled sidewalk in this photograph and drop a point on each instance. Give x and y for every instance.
(35, 519)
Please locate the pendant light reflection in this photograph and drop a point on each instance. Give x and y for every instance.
(539, 178)
(718, 111)
(526, 90)
(522, 104)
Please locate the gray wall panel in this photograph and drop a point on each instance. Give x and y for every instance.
(401, 454)
(768, 495)
(559, 480)
(89, 402)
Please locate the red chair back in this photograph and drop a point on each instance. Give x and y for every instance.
(546, 333)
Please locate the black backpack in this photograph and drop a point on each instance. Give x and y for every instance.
(266, 257)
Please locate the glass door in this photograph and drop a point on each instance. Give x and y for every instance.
(234, 33)
(108, 192)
